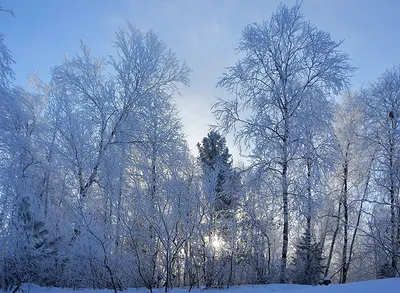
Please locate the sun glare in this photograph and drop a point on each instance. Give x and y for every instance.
(216, 243)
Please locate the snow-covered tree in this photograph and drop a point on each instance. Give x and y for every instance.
(285, 61)
(79, 140)
(221, 186)
(98, 188)
(382, 106)
(308, 263)
(216, 162)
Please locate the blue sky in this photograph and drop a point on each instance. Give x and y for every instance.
(203, 32)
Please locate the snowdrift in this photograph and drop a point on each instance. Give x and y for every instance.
(373, 286)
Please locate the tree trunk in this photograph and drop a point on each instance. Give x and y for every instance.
(393, 220)
(328, 264)
(285, 233)
(392, 191)
(168, 269)
(343, 275)
(308, 224)
(359, 215)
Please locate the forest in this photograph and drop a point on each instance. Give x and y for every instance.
(98, 188)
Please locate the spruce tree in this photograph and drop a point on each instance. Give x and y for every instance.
(216, 161)
(221, 184)
(308, 262)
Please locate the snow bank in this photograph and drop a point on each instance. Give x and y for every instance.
(374, 286)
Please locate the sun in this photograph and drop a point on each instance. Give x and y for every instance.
(216, 243)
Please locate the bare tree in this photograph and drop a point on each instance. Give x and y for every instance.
(285, 60)
(382, 110)
(96, 106)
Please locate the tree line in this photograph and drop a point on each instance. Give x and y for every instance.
(98, 188)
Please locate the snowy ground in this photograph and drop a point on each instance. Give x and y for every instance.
(379, 286)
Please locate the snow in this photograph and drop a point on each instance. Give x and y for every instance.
(384, 286)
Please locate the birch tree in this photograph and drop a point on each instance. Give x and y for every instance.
(350, 180)
(96, 105)
(283, 61)
(382, 105)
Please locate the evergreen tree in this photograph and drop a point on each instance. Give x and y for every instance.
(216, 162)
(220, 187)
(308, 265)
